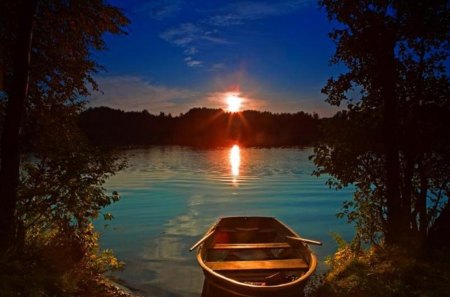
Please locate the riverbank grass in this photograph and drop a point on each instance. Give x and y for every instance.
(379, 271)
(60, 262)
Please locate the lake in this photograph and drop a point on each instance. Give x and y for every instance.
(171, 195)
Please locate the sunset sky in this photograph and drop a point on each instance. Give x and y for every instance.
(180, 54)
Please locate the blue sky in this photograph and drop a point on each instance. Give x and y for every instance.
(180, 54)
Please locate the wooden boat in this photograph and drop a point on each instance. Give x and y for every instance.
(255, 256)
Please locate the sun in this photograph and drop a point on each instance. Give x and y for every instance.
(234, 102)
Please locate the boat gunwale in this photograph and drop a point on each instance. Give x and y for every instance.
(312, 263)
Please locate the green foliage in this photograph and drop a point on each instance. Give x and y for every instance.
(60, 194)
(382, 272)
(62, 182)
(56, 262)
(352, 154)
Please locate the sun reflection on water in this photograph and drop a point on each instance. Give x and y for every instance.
(235, 161)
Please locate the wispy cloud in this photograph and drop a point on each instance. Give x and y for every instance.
(241, 12)
(183, 36)
(192, 63)
(227, 19)
(194, 37)
(135, 93)
(216, 40)
(190, 37)
(162, 9)
(218, 66)
(192, 50)
(187, 35)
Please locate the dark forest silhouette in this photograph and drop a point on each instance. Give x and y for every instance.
(199, 127)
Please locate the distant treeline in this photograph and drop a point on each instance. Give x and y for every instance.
(199, 127)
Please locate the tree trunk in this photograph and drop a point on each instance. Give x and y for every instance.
(422, 204)
(438, 235)
(9, 171)
(407, 192)
(387, 78)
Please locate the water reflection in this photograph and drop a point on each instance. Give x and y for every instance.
(172, 195)
(235, 161)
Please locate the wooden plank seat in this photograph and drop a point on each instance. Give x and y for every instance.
(244, 246)
(258, 265)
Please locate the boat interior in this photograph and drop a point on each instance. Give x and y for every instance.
(255, 251)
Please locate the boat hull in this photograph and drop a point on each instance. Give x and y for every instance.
(218, 287)
(252, 232)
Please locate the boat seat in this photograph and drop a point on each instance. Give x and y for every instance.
(258, 265)
(247, 229)
(244, 246)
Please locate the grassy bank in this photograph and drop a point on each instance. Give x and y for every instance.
(380, 271)
(59, 263)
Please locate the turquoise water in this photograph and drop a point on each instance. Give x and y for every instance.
(171, 195)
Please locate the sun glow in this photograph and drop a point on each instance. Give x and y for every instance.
(234, 102)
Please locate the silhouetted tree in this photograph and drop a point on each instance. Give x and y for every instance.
(51, 42)
(9, 170)
(391, 141)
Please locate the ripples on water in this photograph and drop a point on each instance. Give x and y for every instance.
(171, 195)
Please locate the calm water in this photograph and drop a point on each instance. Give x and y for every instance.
(171, 195)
